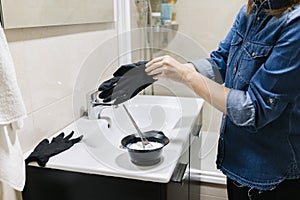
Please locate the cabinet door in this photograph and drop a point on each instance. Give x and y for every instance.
(179, 186)
(50, 184)
(195, 163)
(178, 190)
(183, 186)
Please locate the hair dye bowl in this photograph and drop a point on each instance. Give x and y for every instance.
(151, 153)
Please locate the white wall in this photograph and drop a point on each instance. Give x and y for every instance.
(47, 62)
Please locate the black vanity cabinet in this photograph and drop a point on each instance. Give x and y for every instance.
(52, 184)
(55, 184)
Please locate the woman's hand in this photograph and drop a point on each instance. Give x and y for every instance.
(168, 67)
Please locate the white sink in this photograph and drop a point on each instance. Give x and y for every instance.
(116, 124)
(100, 151)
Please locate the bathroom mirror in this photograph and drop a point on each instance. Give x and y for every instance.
(35, 13)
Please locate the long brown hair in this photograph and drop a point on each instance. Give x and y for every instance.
(290, 4)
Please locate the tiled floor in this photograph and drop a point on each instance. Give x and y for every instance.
(213, 192)
(210, 191)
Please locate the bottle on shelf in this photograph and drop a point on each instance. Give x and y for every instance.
(166, 12)
(173, 2)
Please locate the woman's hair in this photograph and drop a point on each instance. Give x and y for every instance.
(288, 5)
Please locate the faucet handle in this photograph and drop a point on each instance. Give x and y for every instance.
(94, 97)
(94, 103)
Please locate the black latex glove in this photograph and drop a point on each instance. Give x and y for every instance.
(126, 83)
(44, 150)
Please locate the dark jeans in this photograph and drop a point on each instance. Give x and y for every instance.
(287, 190)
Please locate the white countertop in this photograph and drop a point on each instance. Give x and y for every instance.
(81, 158)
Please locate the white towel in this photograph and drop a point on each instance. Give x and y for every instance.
(11, 104)
(12, 165)
(12, 112)
(7, 193)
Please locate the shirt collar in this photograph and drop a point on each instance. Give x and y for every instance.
(273, 4)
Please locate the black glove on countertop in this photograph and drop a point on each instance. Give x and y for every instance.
(126, 83)
(44, 150)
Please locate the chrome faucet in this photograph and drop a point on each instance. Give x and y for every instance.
(95, 106)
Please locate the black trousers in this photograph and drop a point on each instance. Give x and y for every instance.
(287, 190)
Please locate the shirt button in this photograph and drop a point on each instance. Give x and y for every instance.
(271, 100)
(258, 18)
(253, 54)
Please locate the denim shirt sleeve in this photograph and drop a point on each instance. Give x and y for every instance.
(207, 68)
(240, 108)
(276, 83)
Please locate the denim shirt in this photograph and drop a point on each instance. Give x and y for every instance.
(259, 60)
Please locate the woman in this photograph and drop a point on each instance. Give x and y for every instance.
(259, 62)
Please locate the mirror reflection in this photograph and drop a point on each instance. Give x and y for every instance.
(36, 13)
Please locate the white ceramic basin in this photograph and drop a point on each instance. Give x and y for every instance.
(172, 115)
(116, 124)
(100, 151)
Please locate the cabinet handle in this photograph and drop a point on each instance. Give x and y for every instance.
(196, 130)
(197, 125)
(178, 174)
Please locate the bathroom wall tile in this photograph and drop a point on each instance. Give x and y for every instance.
(48, 67)
(198, 20)
(52, 76)
(98, 66)
(45, 122)
(52, 118)
(55, 66)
